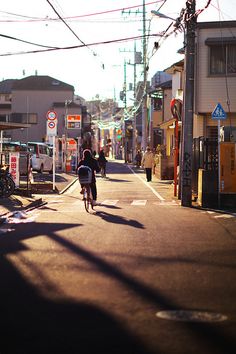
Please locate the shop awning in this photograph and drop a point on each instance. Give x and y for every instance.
(167, 124)
(8, 126)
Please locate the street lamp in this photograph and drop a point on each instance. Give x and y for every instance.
(159, 14)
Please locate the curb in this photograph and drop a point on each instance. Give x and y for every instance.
(33, 205)
(68, 186)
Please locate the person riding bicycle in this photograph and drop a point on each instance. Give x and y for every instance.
(89, 161)
(102, 162)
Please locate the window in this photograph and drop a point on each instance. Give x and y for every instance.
(223, 59)
(24, 118)
(157, 100)
(3, 118)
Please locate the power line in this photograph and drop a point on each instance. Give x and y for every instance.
(82, 45)
(24, 41)
(59, 16)
(95, 54)
(78, 16)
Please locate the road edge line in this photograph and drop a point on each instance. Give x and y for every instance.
(148, 185)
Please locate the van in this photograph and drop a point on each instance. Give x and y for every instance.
(25, 156)
(42, 160)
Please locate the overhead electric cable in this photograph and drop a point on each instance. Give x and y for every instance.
(86, 15)
(59, 16)
(81, 46)
(24, 41)
(95, 54)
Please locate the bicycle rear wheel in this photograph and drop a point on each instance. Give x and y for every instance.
(8, 185)
(87, 200)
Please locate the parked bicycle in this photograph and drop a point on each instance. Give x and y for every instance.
(7, 185)
(85, 178)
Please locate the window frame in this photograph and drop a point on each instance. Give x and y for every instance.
(222, 43)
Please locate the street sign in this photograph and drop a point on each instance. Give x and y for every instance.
(73, 121)
(218, 112)
(52, 127)
(51, 115)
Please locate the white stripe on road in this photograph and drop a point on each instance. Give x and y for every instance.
(148, 185)
(110, 202)
(226, 216)
(139, 202)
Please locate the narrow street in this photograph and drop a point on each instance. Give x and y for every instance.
(78, 282)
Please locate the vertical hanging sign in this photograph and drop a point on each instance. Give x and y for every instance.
(14, 167)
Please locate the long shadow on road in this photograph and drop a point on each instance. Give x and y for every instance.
(117, 219)
(31, 323)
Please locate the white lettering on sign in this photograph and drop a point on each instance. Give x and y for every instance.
(73, 121)
(14, 167)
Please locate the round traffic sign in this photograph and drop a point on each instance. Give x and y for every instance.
(51, 125)
(51, 115)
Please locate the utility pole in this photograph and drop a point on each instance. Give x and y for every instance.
(187, 141)
(134, 117)
(144, 111)
(144, 106)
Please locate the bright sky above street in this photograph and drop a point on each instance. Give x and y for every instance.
(102, 34)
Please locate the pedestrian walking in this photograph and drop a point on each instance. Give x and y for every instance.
(138, 158)
(147, 163)
(102, 162)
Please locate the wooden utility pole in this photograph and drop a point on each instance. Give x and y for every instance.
(187, 141)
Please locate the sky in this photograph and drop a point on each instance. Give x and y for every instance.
(104, 32)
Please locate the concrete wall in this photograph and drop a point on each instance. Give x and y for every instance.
(39, 102)
(211, 90)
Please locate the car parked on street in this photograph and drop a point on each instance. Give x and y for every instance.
(25, 155)
(42, 160)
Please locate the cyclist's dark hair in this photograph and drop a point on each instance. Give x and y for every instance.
(87, 154)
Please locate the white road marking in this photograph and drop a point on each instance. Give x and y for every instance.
(226, 216)
(148, 185)
(168, 203)
(110, 202)
(139, 202)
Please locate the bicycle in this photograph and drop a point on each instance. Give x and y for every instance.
(85, 178)
(87, 197)
(7, 185)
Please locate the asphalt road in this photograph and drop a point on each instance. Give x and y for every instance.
(74, 282)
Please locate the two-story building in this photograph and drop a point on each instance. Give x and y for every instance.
(215, 82)
(25, 103)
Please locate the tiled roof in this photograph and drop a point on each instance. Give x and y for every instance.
(6, 85)
(41, 83)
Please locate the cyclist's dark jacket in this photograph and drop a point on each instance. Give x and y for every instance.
(93, 164)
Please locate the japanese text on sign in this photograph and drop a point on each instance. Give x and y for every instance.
(14, 167)
(73, 121)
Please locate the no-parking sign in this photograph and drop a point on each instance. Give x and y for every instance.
(51, 123)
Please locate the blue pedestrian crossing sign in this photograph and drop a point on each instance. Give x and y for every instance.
(218, 112)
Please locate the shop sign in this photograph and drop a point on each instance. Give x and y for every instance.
(73, 121)
(14, 167)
